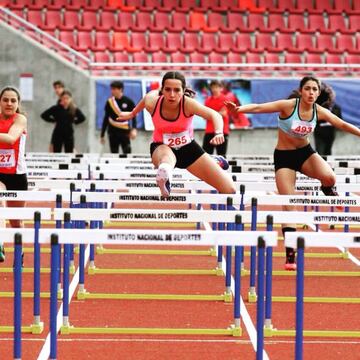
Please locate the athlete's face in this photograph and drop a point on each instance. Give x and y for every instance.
(172, 91)
(116, 92)
(65, 101)
(310, 91)
(215, 90)
(9, 103)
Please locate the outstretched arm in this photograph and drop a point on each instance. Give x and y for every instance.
(194, 107)
(269, 107)
(327, 115)
(15, 131)
(127, 115)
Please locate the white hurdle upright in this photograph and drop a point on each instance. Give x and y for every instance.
(300, 241)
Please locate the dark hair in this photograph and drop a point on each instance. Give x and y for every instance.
(16, 91)
(294, 94)
(305, 79)
(178, 76)
(327, 96)
(215, 83)
(72, 106)
(117, 85)
(58, 83)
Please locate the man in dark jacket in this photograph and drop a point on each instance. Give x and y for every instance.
(114, 105)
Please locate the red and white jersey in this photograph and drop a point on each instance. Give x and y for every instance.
(174, 133)
(12, 157)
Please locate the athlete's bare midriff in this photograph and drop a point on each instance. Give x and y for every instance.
(287, 142)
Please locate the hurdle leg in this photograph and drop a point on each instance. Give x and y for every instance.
(37, 326)
(17, 296)
(252, 290)
(58, 226)
(53, 295)
(260, 300)
(237, 278)
(66, 272)
(299, 300)
(82, 290)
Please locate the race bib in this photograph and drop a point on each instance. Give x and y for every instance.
(301, 128)
(177, 140)
(7, 158)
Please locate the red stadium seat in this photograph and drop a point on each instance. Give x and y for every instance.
(95, 5)
(190, 43)
(197, 22)
(226, 43)
(266, 4)
(293, 59)
(102, 41)
(235, 22)
(216, 20)
(150, 5)
(126, 21)
(77, 4)
(308, 5)
(316, 22)
(313, 58)
(52, 20)
(276, 22)
(272, 58)
(173, 42)
(226, 5)
(178, 22)
(156, 42)
(57, 4)
(295, 23)
(178, 57)
(38, 4)
(354, 21)
(169, 5)
(84, 41)
(35, 18)
(161, 21)
(159, 57)
(255, 22)
(101, 56)
(108, 21)
(121, 57)
(347, 43)
(352, 59)
(71, 20)
(186, 5)
(253, 58)
(285, 5)
(234, 58)
(242, 43)
(120, 41)
(138, 41)
(143, 21)
(140, 57)
(333, 59)
(284, 42)
(337, 23)
(67, 37)
(324, 42)
(263, 42)
(89, 21)
(216, 58)
(208, 43)
(356, 7)
(206, 5)
(195, 58)
(305, 42)
(343, 6)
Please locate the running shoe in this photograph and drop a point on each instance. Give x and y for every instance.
(221, 161)
(2, 253)
(163, 182)
(290, 263)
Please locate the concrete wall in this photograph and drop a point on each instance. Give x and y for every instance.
(19, 55)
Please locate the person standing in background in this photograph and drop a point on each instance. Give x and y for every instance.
(13, 129)
(216, 102)
(64, 115)
(118, 136)
(324, 133)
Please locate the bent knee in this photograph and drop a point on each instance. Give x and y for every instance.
(329, 179)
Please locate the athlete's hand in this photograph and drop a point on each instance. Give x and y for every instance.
(132, 134)
(102, 140)
(231, 107)
(218, 139)
(125, 116)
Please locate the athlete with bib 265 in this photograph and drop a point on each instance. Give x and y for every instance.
(13, 127)
(297, 120)
(172, 110)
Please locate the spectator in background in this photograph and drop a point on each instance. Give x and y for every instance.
(122, 135)
(58, 87)
(238, 120)
(216, 102)
(324, 134)
(64, 115)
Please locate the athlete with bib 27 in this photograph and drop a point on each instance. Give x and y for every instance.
(297, 120)
(172, 110)
(13, 127)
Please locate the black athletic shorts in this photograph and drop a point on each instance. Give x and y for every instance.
(185, 156)
(14, 181)
(292, 159)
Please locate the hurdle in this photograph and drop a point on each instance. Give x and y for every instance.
(300, 241)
